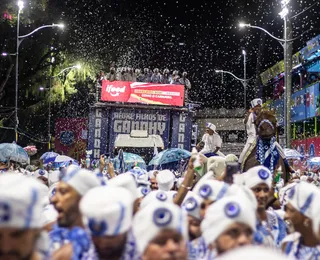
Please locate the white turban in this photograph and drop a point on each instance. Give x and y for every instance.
(127, 181)
(49, 215)
(237, 190)
(107, 211)
(143, 191)
(172, 194)
(41, 172)
(303, 197)
(141, 176)
(155, 196)
(165, 180)
(231, 158)
(21, 201)
(304, 178)
(81, 180)
(284, 193)
(315, 211)
(257, 175)
(151, 174)
(216, 164)
(253, 252)
(149, 221)
(192, 205)
(53, 177)
(225, 212)
(44, 190)
(211, 189)
(52, 190)
(256, 102)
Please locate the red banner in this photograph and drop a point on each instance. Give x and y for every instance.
(307, 147)
(139, 92)
(71, 136)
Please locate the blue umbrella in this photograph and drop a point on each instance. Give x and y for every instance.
(315, 161)
(63, 160)
(125, 161)
(173, 155)
(48, 157)
(13, 152)
(292, 154)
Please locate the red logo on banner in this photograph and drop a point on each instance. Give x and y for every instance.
(113, 91)
(146, 93)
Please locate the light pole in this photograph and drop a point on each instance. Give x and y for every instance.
(244, 82)
(19, 40)
(286, 43)
(50, 85)
(245, 77)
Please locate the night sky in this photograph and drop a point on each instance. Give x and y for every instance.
(197, 37)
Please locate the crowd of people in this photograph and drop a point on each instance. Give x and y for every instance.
(210, 211)
(146, 75)
(77, 213)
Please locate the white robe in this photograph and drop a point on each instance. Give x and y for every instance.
(251, 133)
(211, 142)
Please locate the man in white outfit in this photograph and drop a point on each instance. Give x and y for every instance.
(211, 140)
(250, 126)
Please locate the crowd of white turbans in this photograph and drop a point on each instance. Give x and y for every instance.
(83, 214)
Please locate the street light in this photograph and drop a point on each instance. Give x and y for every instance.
(78, 66)
(20, 38)
(242, 25)
(20, 5)
(287, 66)
(5, 54)
(284, 12)
(245, 77)
(243, 81)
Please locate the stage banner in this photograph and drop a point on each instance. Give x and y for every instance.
(299, 106)
(181, 130)
(98, 125)
(145, 93)
(309, 147)
(123, 120)
(71, 136)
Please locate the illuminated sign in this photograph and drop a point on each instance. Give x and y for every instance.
(145, 93)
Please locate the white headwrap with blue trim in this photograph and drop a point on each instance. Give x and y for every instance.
(155, 196)
(303, 197)
(316, 217)
(127, 181)
(225, 212)
(107, 211)
(149, 221)
(165, 179)
(192, 205)
(81, 180)
(257, 175)
(21, 201)
(211, 189)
